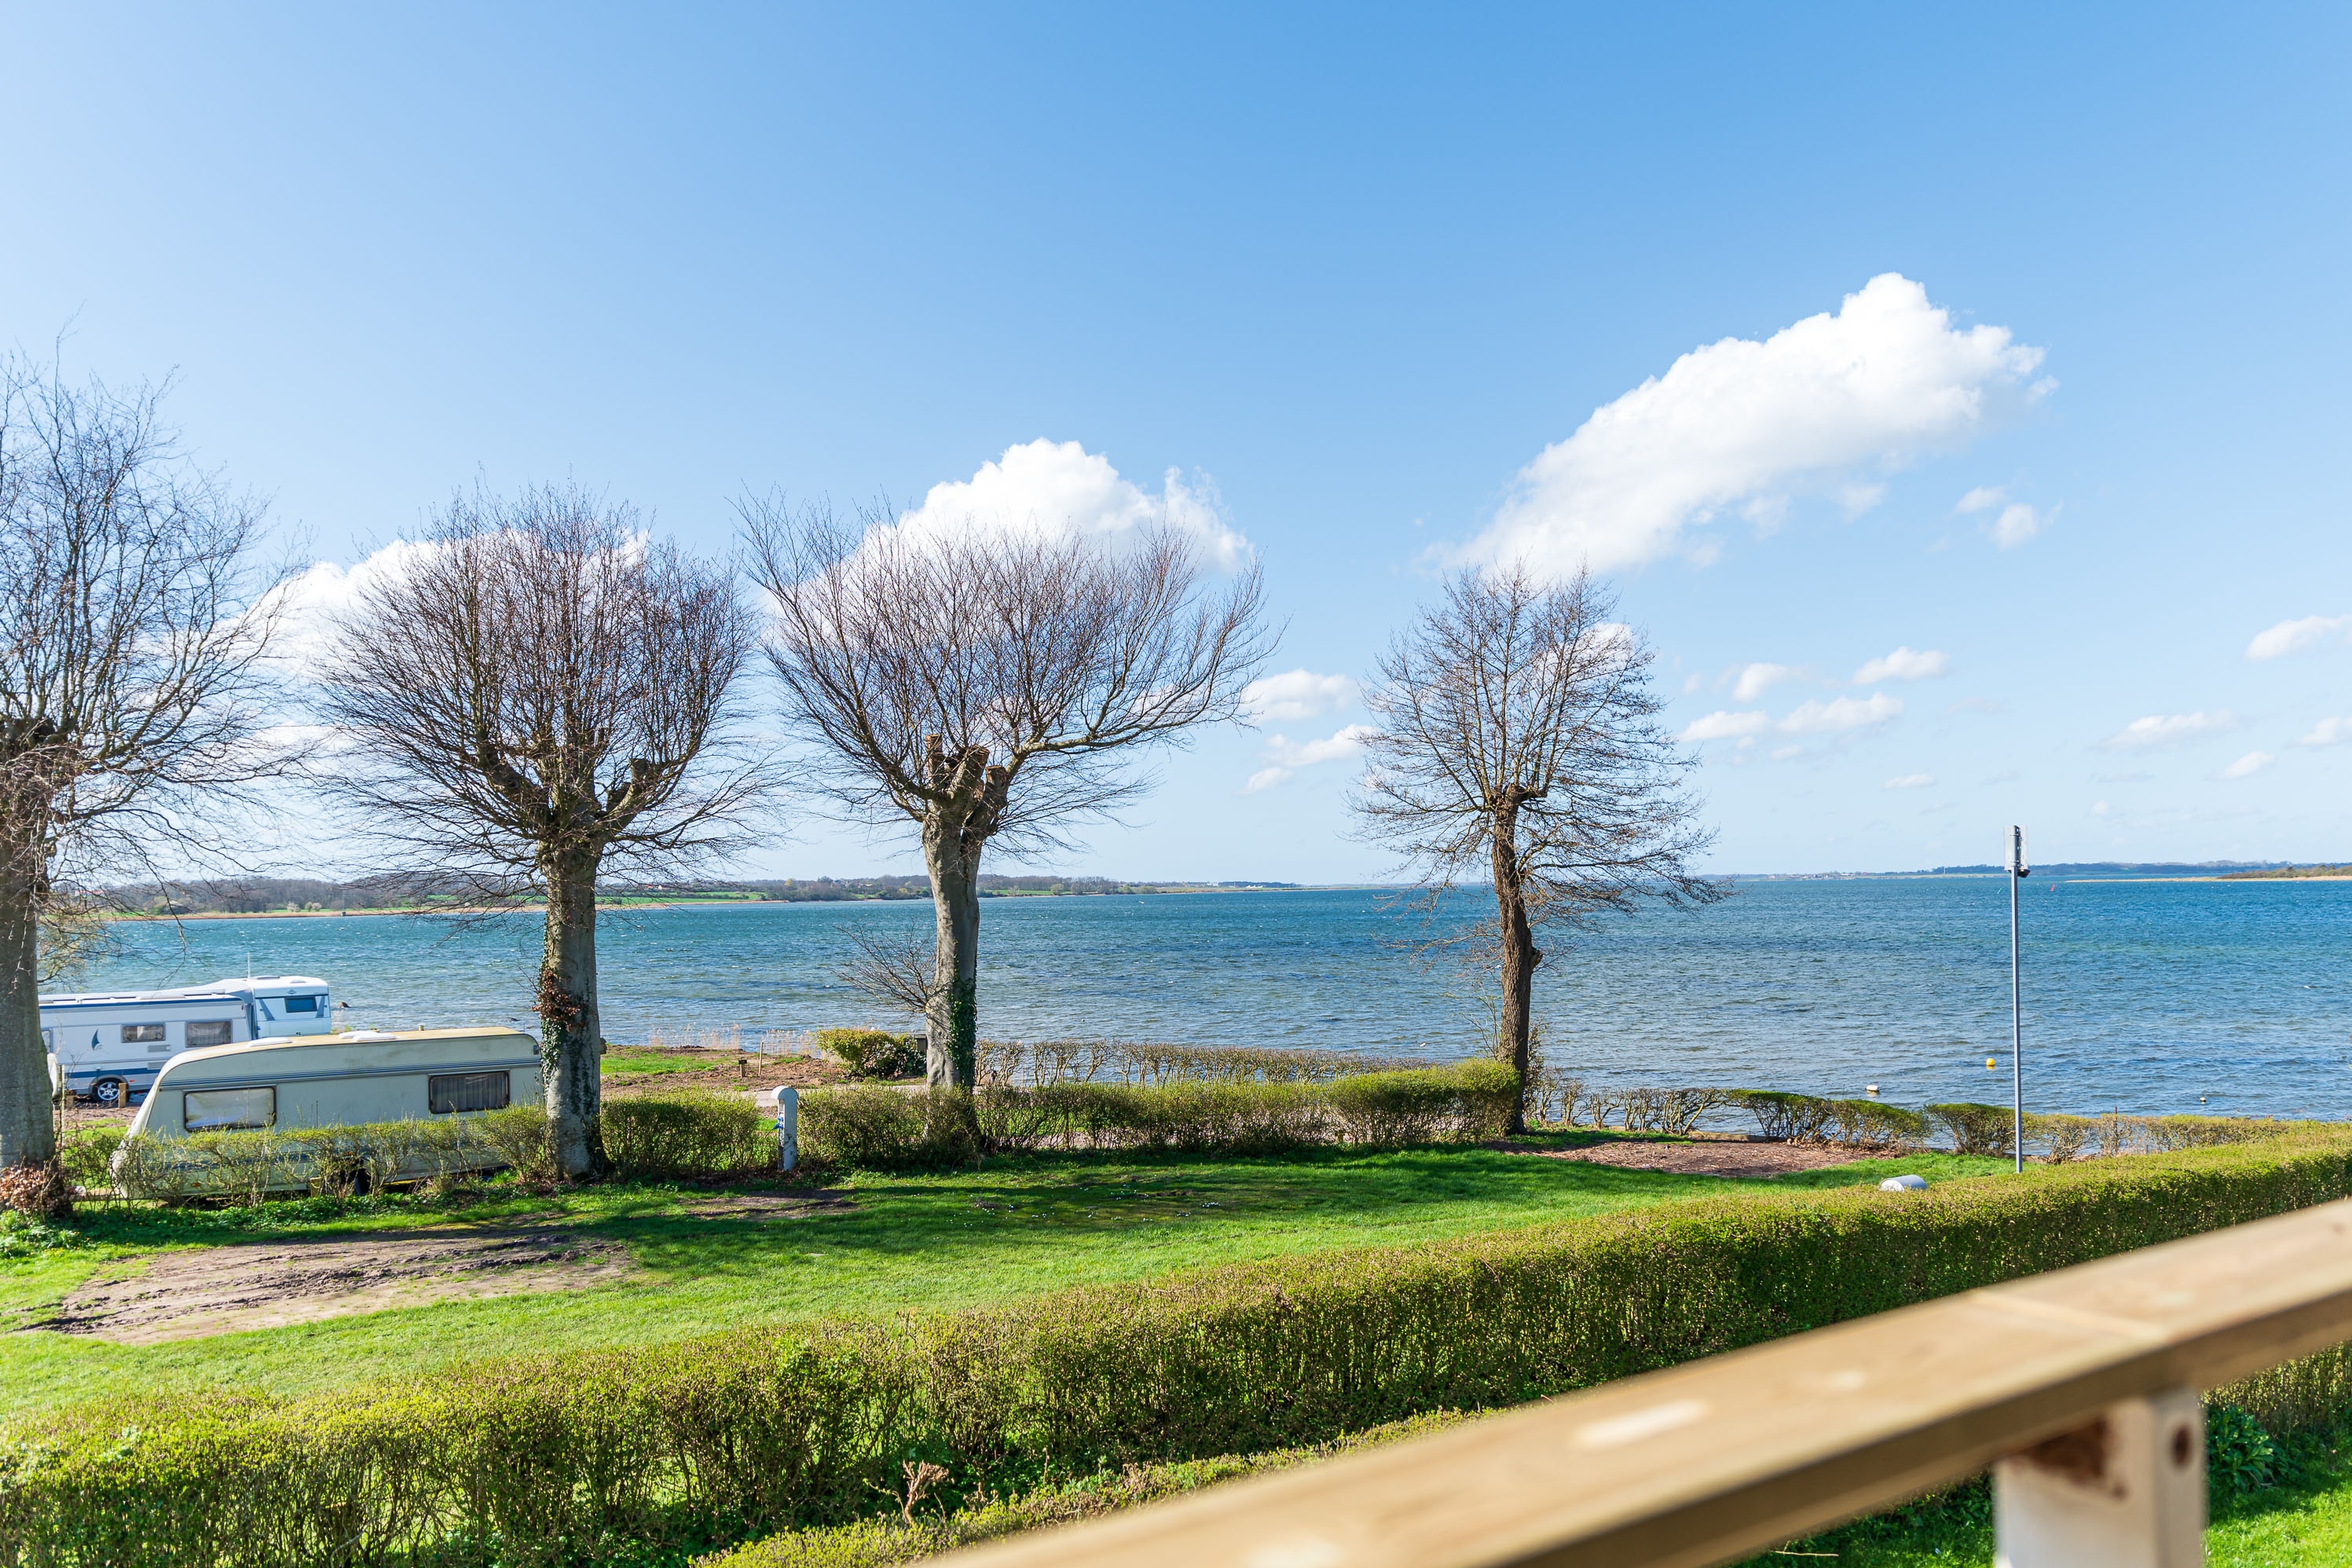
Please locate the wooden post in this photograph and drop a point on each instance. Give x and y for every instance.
(2127, 1491)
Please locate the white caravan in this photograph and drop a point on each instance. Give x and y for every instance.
(340, 1080)
(109, 1045)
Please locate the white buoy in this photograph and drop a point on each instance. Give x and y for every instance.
(1904, 1185)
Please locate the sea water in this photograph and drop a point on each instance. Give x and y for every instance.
(2150, 997)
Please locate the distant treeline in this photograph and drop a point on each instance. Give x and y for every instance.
(793, 891)
(2317, 870)
(274, 895)
(2058, 868)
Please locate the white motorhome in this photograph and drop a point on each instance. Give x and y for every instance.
(360, 1076)
(109, 1045)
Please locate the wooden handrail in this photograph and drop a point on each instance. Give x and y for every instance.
(1701, 1464)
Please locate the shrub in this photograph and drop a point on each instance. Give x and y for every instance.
(1869, 1123)
(1780, 1114)
(686, 1135)
(1976, 1128)
(548, 1459)
(1038, 1063)
(2062, 1137)
(84, 1154)
(860, 1125)
(871, 1053)
(1473, 1098)
(881, 1542)
(683, 1135)
(882, 1128)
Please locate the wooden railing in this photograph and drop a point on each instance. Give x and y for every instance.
(2078, 1386)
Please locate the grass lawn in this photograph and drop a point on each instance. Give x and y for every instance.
(1018, 1226)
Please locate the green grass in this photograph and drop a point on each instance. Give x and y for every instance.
(1018, 1226)
(626, 1062)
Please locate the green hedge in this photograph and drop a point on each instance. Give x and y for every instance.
(880, 1128)
(542, 1460)
(685, 1134)
(874, 1053)
(925, 1528)
(688, 1135)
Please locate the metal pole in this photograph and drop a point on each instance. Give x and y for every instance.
(2016, 1002)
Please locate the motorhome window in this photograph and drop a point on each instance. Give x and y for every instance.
(301, 1004)
(447, 1093)
(228, 1110)
(142, 1034)
(209, 1032)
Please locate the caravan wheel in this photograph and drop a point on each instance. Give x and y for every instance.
(110, 1092)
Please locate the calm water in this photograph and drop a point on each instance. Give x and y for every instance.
(2140, 994)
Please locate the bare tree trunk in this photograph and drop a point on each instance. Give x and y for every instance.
(967, 807)
(953, 1018)
(1519, 949)
(572, 1036)
(28, 1122)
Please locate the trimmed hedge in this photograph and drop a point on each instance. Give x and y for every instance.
(681, 1135)
(880, 1128)
(686, 1135)
(546, 1460)
(924, 1528)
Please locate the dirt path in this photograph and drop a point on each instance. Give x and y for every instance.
(268, 1284)
(1710, 1157)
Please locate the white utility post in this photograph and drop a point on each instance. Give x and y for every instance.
(2126, 1491)
(788, 1128)
(2017, 873)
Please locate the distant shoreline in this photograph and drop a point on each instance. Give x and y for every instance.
(695, 903)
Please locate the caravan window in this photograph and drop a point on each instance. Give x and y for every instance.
(142, 1034)
(301, 1004)
(228, 1110)
(208, 1032)
(445, 1092)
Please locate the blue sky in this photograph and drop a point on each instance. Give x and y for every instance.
(2002, 532)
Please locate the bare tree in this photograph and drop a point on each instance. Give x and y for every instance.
(992, 686)
(541, 695)
(1520, 738)
(133, 620)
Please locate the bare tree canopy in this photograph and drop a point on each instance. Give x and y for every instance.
(129, 676)
(544, 694)
(986, 684)
(1519, 740)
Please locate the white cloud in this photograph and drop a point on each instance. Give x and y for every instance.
(1782, 753)
(1903, 665)
(1740, 425)
(2168, 730)
(1984, 497)
(1058, 488)
(2017, 523)
(1307, 753)
(1297, 695)
(2299, 636)
(1757, 678)
(1724, 726)
(2328, 732)
(1287, 756)
(1818, 717)
(324, 596)
(1910, 780)
(2252, 763)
